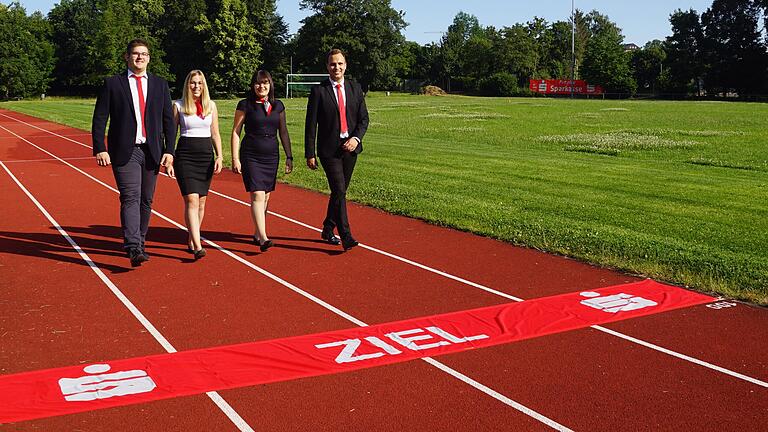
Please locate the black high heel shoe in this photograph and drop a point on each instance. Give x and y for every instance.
(266, 245)
(199, 254)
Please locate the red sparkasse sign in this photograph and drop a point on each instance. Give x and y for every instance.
(560, 86)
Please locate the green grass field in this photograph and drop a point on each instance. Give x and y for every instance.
(676, 191)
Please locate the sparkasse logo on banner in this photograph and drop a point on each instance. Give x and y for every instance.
(560, 86)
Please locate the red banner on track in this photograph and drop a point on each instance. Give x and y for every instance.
(52, 392)
(563, 87)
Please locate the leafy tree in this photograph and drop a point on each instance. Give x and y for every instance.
(648, 64)
(685, 59)
(735, 54)
(517, 53)
(605, 61)
(231, 46)
(427, 64)
(367, 30)
(272, 34)
(90, 38)
(27, 59)
(181, 40)
(556, 51)
(477, 52)
(73, 28)
(146, 25)
(452, 46)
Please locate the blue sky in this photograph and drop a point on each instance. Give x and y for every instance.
(640, 21)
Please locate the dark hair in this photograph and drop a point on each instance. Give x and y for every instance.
(333, 52)
(134, 43)
(258, 76)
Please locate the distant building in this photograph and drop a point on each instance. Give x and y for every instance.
(630, 47)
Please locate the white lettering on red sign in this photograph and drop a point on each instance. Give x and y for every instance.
(406, 338)
(615, 303)
(721, 305)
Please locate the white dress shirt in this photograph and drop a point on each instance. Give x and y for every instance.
(140, 138)
(336, 99)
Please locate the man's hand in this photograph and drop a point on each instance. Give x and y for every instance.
(288, 166)
(102, 159)
(312, 163)
(350, 145)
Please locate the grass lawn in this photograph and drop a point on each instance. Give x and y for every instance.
(676, 191)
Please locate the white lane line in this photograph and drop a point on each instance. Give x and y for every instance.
(390, 255)
(483, 388)
(683, 356)
(501, 397)
(496, 292)
(215, 397)
(45, 160)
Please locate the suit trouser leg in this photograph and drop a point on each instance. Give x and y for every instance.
(136, 183)
(338, 171)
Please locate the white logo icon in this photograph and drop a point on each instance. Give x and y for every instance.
(92, 387)
(615, 303)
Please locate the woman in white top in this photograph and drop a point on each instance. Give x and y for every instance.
(195, 161)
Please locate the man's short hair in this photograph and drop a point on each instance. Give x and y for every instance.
(134, 43)
(333, 52)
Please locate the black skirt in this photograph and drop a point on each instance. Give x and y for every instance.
(193, 165)
(259, 157)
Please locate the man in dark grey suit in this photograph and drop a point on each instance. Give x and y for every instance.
(141, 138)
(337, 119)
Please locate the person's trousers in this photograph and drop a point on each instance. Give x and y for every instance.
(136, 182)
(338, 171)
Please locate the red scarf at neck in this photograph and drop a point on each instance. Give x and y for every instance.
(199, 106)
(267, 105)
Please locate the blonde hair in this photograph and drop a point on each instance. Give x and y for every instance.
(188, 101)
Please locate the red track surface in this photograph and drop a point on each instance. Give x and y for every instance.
(55, 311)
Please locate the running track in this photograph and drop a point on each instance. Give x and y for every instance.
(696, 368)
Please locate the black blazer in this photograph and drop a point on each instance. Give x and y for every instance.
(114, 102)
(323, 122)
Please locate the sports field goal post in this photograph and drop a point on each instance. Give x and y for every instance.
(293, 80)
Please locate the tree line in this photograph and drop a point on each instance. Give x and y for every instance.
(722, 51)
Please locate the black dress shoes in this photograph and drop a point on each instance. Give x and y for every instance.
(137, 256)
(349, 243)
(330, 238)
(199, 253)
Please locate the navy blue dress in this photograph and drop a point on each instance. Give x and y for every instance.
(259, 150)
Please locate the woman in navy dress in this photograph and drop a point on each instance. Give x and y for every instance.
(258, 156)
(195, 163)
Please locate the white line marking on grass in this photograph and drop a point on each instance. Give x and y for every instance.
(487, 390)
(218, 400)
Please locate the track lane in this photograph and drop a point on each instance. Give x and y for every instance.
(176, 264)
(56, 313)
(483, 270)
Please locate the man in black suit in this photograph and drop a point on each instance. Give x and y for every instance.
(337, 119)
(142, 136)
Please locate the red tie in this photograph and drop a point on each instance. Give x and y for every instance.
(142, 104)
(342, 110)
